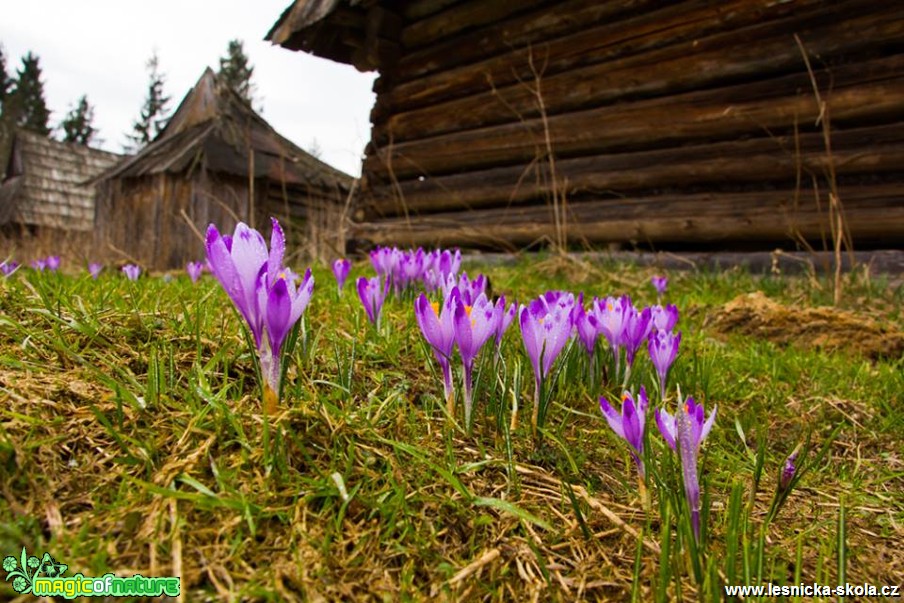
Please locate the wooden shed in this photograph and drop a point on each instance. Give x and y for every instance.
(739, 123)
(217, 161)
(45, 186)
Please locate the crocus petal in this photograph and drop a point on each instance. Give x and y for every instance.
(632, 423)
(688, 451)
(586, 330)
(279, 313)
(666, 424)
(612, 417)
(249, 256)
(437, 330)
(708, 425)
(463, 336)
(301, 296)
(220, 260)
(484, 320)
(558, 329)
(366, 296)
(642, 401)
(533, 345)
(277, 249)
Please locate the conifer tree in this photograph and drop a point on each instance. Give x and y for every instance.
(78, 124)
(235, 71)
(27, 97)
(154, 115)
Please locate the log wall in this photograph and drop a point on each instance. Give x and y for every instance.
(688, 122)
(159, 221)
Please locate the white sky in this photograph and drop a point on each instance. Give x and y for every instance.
(100, 48)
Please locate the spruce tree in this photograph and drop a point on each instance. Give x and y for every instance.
(27, 97)
(77, 126)
(235, 71)
(154, 115)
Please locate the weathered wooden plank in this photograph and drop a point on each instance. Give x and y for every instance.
(580, 42)
(872, 213)
(496, 39)
(412, 11)
(863, 91)
(762, 50)
(461, 18)
(861, 151)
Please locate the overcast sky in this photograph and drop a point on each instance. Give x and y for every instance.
(100, 48)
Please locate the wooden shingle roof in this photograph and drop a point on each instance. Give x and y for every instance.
(47, 182)
(215, 129)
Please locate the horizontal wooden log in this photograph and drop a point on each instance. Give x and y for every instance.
(412, 11)
(872, 213)
(462, 17)
(870, 91)
(762, 50)
(763, 161)
(579, 42)
(499, 37)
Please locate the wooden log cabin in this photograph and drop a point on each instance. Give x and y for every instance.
(731, 124)
(44, 190)
(217, 161)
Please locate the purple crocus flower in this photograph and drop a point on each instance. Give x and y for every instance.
(433, 280)
(94, 269)
(637, 328)
(474, 325)
(663, 347)
(341, 268)
(469, 289)
(372, 292)
(664, 318)
(39, 264)
(629, 424)
(788, 470)
(684, 433)
(448, 262)
(194, 270)
(410, 269)
(131, 271)
(545, 329)
(385, 260)
(53, 263)
(7, 268)
(505, 320)
(586, 326)
(660, 283)
(263, 291)
(610, 315)
(439, 332)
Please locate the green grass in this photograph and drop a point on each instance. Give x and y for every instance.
(132, 441)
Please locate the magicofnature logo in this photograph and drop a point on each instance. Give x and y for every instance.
(24, 570)
(44, 577)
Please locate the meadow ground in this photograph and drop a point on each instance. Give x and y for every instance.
(132, 441)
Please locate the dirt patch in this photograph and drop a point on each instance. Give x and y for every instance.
(823, 328)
